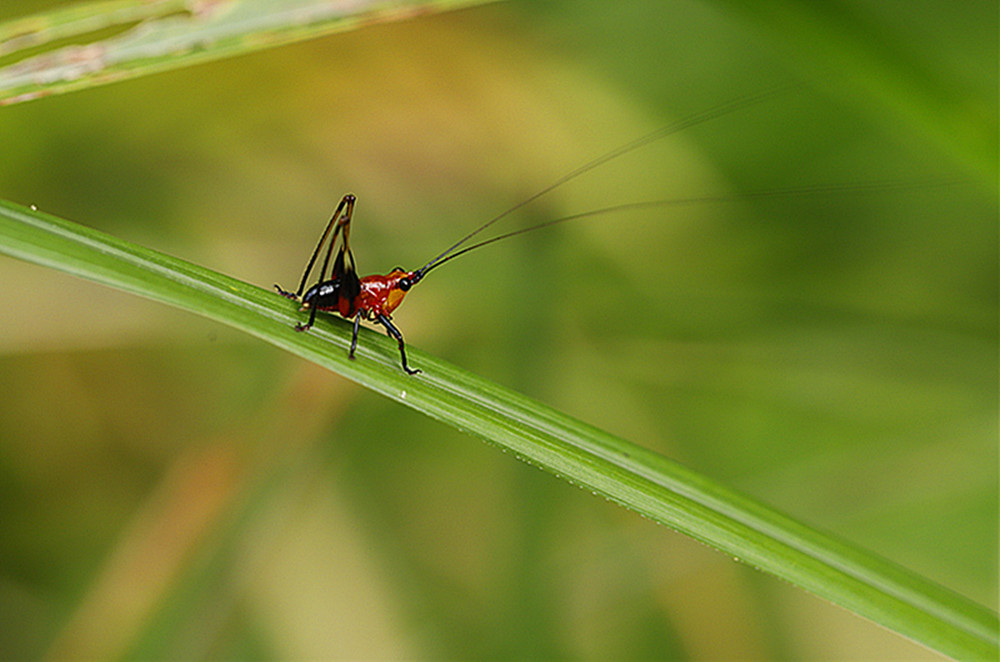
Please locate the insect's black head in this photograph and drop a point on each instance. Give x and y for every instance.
(411, 279)
(404, 279)
(408, 278)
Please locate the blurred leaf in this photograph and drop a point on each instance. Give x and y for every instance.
(625, 473)
(839, 43)
(169, 34)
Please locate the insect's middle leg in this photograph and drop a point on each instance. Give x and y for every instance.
(394, 332)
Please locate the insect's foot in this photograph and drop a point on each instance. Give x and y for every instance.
(412, 371)
(302, 327)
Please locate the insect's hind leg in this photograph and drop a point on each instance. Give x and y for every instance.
(312, 320)
(285, 293)
(394, 332)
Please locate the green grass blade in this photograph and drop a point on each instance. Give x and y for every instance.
(625, 473)
(169, 34)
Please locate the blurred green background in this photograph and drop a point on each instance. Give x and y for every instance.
(173, 489)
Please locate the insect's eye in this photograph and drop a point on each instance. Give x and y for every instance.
(404, 284)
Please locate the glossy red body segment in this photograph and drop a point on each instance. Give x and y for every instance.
(380, 294)
(346, 307)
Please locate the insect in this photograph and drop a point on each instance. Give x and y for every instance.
(374, 298)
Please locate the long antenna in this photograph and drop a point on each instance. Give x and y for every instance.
(686, 123)
(858, 187)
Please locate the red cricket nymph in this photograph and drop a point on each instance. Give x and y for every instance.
(374, 298)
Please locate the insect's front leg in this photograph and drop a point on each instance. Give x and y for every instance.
(394, 332)
(288, 295)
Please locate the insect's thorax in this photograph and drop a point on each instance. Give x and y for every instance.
(381, 294)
